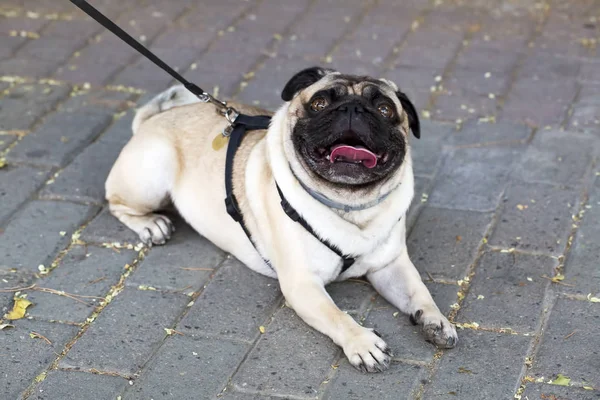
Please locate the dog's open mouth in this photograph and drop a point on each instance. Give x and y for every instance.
(350, 149)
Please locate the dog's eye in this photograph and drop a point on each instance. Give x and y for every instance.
(318, 104)
(386, 110)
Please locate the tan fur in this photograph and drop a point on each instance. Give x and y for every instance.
(171, 158)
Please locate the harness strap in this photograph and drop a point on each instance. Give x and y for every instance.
(242, 124)
(294, 216)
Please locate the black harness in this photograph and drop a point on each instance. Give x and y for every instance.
(244, 123)
(239, 122)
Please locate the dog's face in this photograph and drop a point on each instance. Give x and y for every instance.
(350, 131)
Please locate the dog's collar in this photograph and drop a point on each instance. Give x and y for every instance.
(321, 198)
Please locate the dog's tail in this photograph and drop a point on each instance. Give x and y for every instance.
(173, 97)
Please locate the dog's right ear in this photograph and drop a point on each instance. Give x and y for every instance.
(302, 80)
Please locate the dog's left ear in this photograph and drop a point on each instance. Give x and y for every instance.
(411, 112)
(302, 80)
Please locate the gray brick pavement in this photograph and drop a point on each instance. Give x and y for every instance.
(506, 198)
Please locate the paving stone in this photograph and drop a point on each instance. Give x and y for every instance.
(105, 228)
(581, 267)
(479, 82)
(543, 65)
(422, 189)
(26, 103)
(478, 60)
(23, 357)
(98, 101)
(416, 82)
(481, 133)
(377, 35)
(290, 359)
(400, 381)
(405, 340)
(484, 365)
(84, 178)
(535, 218)
(85, 271)
(6, 140)
(17, 184)
(586, 118)
(68, 28)
(322, 26)
(19, 66)
(556, 157)
(474, 178)
(513, 290)
(560, 353)
(589, 72)
(351, 296)
(9, 45)
(444, 243)
(265, 87)
(51, 48)
(60, 136)
(229, 395)
(462, 105)
(208, 363)
(26, 243)
(78, 385)
(431, 47)
(126, 333)
(21, 23)
(97, 63)
(186, 261)
(586, 111)
(540, 104)
(233, 305)
(427, 151)
(535, 391)
(213, 16)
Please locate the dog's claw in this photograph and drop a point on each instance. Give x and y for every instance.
(157, 229)
(367, 352)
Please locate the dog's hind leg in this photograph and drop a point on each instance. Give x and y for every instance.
(140, 183)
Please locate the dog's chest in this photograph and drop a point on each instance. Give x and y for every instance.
(328, 265)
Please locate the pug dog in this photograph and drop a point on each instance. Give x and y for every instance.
(338, 150)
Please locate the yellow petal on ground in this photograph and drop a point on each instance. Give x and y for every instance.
(261, 329)
(593, 299)
(561, 380)
(558, 278)
(19, 309)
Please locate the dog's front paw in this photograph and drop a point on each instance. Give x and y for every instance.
(367, 352)
(436, 328)
(156, 229)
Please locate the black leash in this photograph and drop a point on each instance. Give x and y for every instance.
(239, 125)
(103, 20)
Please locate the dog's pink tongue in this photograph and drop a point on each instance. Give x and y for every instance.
(344, 152)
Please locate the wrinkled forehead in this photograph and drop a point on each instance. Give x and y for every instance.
(344, 85)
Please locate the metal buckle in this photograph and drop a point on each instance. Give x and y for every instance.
(230, 115)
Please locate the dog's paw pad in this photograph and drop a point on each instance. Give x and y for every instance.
(157, 229)
(367, 352)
